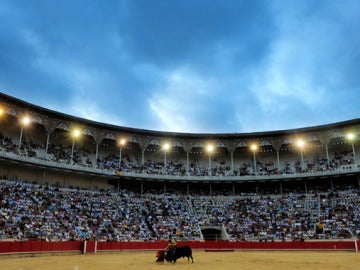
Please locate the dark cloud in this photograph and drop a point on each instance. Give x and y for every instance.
(173, 32)
(18, 70)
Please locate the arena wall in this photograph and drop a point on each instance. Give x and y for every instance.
(30, 247)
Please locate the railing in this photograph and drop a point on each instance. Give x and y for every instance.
(54, 164)
(340, 171)
(243, 177)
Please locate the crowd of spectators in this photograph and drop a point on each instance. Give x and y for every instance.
(110, 162)
(31, 211)
(57, 214)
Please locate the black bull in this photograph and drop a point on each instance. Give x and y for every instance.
(179, 252)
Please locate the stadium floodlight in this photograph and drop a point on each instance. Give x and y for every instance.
(351, 137)
(210, 149)
(254, 147)
(2, 112)
(122, 142)
(166, 148)
(75, 134)
(300, 143)
(25, 121)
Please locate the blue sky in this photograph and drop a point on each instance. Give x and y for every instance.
(197, 66)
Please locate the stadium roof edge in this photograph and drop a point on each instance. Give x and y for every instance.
(275, 133)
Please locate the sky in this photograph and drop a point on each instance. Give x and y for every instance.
(193, 66)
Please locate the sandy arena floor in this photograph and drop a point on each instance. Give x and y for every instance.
(243, 260)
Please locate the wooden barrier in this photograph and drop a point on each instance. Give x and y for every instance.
(13, 247)
(8, 247)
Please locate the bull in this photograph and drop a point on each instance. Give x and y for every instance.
(179, 252)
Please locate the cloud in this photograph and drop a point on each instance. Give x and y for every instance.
(304, 70)
(182, 101)
(174, 33)
(229, 66)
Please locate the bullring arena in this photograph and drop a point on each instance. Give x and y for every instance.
(78, 194)
(203, 261)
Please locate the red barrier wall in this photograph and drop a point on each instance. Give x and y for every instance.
(92, 246)
(40, 246)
